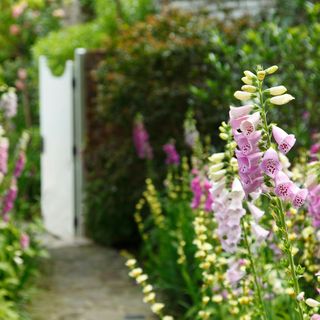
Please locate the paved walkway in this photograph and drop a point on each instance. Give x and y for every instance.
(86, 282)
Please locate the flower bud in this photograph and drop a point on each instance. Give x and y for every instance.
(223, 136)
(312, 303)
(300, 296)
(246, 80)
(216, 157)
(142, 278)
(249, 74)
(283, 99)
(242, 95)
(131, 262)
(249, 88)
(261, 75)
(271, 69)
(157, 307)
(276, 91)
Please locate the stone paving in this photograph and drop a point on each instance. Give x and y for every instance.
(86, 282)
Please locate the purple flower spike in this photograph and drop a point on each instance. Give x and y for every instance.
(285, 141)
(284, 186)
(270, 163)
(172, 154)
(298, 196)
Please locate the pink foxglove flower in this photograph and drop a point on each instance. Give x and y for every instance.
(4, 146)
(197, 192)
(248, 153)
(20, 164)
(24, 241)
(298, 196)
(238, 112)
(283, 186)
(235, 273)
(141, 140)
(285, 141)
(247, 163)
(270, 163)
(315, 317)
(249, 125)
(172, 154)
(209, 198)
(314, 204)
(246, 144)
(10, 197)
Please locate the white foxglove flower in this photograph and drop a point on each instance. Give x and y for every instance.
(255, 211)
(260, 233)
(283, 99)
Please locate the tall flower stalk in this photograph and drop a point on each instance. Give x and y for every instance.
(276, 185)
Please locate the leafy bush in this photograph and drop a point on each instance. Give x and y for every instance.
(59, 46)
(148, 68)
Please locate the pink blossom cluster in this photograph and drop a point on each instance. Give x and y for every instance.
(24, 241)
(20, 164)
(244, 127)
(314, 204)
(228, 210)
(141, 140)
(171, 153)
(253, 163)
(9, 199)
(4, 146)
(200, 188)
(284, 187)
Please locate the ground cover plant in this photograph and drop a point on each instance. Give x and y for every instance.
(237, 237)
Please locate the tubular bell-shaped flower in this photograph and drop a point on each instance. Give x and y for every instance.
(285, 141)
(283, 186)
(270, 163)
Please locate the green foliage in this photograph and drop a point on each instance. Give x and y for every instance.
(59, 46)
(17, 267)
(148, 69)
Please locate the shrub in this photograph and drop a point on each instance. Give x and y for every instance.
(148, 68)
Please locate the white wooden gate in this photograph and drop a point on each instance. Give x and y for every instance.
(61, 126)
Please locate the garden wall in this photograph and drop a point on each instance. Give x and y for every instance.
(221, 9)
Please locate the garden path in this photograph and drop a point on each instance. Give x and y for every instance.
(86, 282)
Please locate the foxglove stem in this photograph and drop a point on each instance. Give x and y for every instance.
(288, 250)
(263, 114)
(254, 272)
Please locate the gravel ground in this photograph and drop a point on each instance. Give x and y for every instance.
(86, 282)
